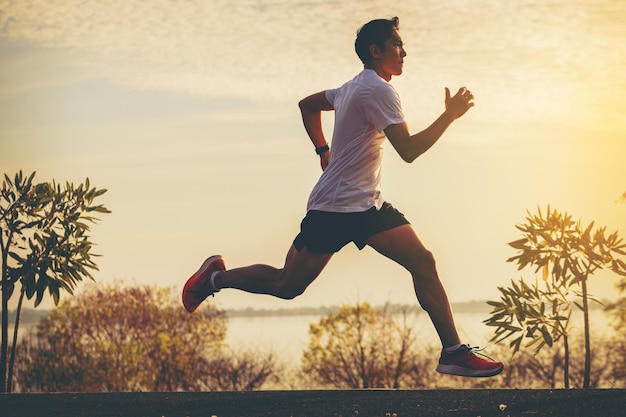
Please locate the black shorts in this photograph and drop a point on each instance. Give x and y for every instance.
(328, 232)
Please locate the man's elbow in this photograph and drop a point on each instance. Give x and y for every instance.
(407, 153)
(315, 103)
(302, 105)
(408, 156)
(306, 107)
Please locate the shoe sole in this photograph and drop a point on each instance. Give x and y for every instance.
(205, 265)
(472, 373)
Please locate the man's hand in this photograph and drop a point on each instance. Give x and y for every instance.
(324, 159)
(461, 102)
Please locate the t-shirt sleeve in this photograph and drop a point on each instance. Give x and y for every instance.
(384, 108)
(330, 95)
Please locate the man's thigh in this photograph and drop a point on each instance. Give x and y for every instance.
(400, 244)
(302, 267)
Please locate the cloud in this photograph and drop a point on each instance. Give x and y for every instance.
(203, 47)
(99, 102)
(282, 49)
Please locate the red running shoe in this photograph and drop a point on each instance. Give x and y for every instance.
(198, 287)
(465, 362)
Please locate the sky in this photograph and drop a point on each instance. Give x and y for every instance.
(186, 112)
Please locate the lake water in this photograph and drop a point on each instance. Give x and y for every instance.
(288, 337)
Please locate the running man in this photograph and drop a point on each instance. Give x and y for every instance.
(346, 205)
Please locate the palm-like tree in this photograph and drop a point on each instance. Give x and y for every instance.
(45, 246)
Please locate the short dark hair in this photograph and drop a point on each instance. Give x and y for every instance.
(375, 32)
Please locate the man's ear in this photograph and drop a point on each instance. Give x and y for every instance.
(374, 51)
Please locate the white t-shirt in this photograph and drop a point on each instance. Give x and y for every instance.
(364, 107)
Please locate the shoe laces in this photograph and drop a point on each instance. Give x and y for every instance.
(476, 350)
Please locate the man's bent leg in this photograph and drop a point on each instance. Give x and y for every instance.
(402, 245)
(300, 269)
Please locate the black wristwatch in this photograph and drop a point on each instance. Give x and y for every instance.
(322, 149)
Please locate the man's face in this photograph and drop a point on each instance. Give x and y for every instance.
(392, 58)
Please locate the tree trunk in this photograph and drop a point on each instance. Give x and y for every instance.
(13, 348)
(5, 336)
(5, 328)
(566, 362)
(587, 374)
(4, 343)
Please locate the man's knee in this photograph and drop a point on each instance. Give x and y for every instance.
(288, 292)
(423, 264)
(288, 286)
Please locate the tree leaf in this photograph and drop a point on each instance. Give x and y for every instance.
(547, 337)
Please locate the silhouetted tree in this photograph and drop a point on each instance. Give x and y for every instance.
(360, 347)
(567, 255)
(45, 246)
(242, 370)
(110, 338)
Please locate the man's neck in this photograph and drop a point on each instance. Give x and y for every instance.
(385, 77)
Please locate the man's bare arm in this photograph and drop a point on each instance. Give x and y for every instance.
(409, 147)
(311, 108)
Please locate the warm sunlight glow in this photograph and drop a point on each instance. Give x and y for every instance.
(187, 113)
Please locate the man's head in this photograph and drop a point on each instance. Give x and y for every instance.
(380, 47)
(377, 32)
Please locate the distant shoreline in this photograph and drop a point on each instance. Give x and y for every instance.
(463, 307)
(466, 307)
(31, 316)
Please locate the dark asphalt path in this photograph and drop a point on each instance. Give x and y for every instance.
(357, 403)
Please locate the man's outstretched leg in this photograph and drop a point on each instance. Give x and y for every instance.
(300, 269)
(402, 245)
